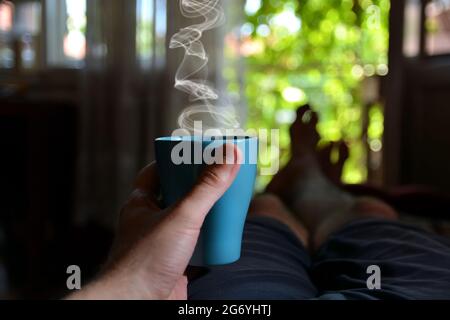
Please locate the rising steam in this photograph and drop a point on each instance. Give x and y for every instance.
(191, 75)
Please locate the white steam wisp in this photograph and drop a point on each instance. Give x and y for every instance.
(191, 75)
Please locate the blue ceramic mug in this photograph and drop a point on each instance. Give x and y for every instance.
(180, 160)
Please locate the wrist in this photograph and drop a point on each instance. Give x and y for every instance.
(114, 287)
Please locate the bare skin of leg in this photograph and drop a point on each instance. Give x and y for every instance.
(307, 185)
(269, 205)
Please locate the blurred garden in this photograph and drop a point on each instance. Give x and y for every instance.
(319, 52)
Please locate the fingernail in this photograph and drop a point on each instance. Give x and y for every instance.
(230, 158)
(231, 154)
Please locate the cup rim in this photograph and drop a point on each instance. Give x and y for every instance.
(196, 138)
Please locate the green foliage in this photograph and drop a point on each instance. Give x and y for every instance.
(316, 52)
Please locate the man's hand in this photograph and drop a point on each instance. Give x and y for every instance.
(153, 246)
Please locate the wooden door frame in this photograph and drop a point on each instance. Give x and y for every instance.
(400, 68)
(393, 113)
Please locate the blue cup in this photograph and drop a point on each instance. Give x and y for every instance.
(221, 235)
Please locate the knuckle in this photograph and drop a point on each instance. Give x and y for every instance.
(211, 179)
(123, 213)
(133, 200)
(188, 224)
(138, 200)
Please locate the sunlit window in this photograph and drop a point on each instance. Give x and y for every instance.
(316, 52)
(144, 30)
(19, 34)
(6, 23)
(437, 26)
(66, 32)
(75, 39)
(151, 25)
(6, 16)
(411, 43)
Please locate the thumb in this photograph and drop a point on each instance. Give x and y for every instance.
(212, 184)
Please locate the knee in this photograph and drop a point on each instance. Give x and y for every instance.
(265, 204)
(371, 207)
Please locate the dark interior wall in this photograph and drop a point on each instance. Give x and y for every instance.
(37, 168)
(38, 156)
(13, 188)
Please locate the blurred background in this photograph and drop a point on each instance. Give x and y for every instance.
(86, 85)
